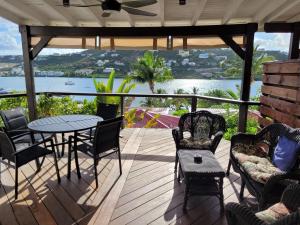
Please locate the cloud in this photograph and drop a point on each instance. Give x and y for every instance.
(10, 39)
(277, 41)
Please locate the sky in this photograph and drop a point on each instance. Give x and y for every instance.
(10, 41)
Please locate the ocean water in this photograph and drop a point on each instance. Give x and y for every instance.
(86, 85)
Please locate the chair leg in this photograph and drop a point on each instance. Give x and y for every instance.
(16, 182)
(69, 157)
(57, 147)
(38, 165)
(120, 163)
(95, 171)
(242, 190)
(63, 145)
(176, 163)
(228, 168)
(55, 163)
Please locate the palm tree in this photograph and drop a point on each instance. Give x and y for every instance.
(101, 87)
(234, 67)
(150, 69)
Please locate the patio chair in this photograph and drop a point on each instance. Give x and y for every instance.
(264, 180)
(21, 155)
(286, 212)
(106, 142)
(201, 130)
(15, 123)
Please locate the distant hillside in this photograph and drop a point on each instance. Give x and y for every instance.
(198, 64)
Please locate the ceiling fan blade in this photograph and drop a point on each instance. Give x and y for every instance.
(106, 14)
(137, 12)
(141, 3)
(79, 5)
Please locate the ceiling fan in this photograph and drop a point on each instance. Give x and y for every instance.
(108, 6)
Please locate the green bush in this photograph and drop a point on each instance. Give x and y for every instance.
(180, 112)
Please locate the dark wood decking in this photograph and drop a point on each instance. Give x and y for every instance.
(146, 193)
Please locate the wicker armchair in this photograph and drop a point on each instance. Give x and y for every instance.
(199, 130)
(269, 192)
(241, 215)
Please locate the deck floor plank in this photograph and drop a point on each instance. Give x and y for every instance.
(146, 193)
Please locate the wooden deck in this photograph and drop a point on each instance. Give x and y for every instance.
(146, 193)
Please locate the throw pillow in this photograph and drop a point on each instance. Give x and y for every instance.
(285, 154)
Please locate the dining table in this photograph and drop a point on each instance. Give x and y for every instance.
(66, 124)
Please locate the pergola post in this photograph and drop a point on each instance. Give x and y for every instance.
(28, 70)
(247, 78)
(28, 56)
(294, 43)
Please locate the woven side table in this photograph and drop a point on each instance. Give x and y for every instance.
(205, 178)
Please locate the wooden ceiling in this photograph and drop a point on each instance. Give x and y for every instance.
(169, 13)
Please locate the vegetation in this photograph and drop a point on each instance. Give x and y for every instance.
(233, 68)
(150, 69)
(125, 87)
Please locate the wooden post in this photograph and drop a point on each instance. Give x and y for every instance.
(28, 70)
(246, 80)
(194, 104)
(294, 44)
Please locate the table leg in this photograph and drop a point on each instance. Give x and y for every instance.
(69, 156)
(221, 194)
(76, 155)
(186, 193)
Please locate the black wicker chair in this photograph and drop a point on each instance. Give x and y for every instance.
(20, 155)
(271, 191)
(15, 123)
(241, 215)
(204, 129)
(105, 142)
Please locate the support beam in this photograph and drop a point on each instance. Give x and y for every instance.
(234, 46)
(10, 16)
(35, 14)
(96, 12)
(198, 11)
(206, 31)
(162, 12)
(268, 8)
(29, 77)
(286, 7)
(246, 80)
(232, 7)
(61, 11)
(39, 47)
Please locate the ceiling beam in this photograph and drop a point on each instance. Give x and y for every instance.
(198, 11)
(6, 14)
(62, 12)
(207, 31)
(33, 13)
(162, 12)
(233, 6)
(96, 12)
(287, 6)
(267, 9)
(294, 18)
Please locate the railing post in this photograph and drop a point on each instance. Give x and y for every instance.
(122, 108)
(194, 104)
(243, 112)
(122, 105)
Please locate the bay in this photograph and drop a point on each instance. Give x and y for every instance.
(86, 85)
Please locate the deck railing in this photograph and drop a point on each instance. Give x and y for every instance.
(243, 105)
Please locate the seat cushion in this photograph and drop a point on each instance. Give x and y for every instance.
(202, 143)
(258, 168)
(273, 213)
(260, 149)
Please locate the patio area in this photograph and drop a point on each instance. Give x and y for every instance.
(146, 193)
